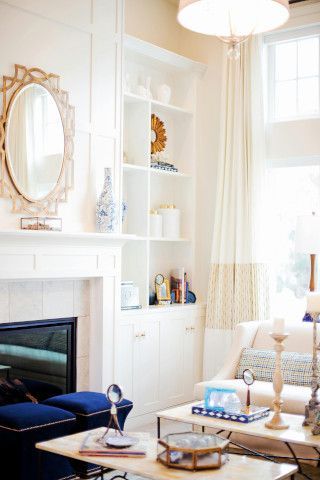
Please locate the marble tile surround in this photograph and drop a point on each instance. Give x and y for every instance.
(42, 300)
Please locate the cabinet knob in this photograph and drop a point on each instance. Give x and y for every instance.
(143, 334)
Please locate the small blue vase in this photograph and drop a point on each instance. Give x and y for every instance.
(106, 211)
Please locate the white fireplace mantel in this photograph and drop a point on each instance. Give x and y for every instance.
(26, 254)
(30, 255)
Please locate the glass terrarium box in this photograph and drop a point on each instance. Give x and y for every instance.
(51, 224)
(192, 451)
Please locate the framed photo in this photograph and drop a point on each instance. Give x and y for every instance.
(163, 290)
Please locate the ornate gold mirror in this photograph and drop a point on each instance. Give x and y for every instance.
(158, 135)
(36, 131)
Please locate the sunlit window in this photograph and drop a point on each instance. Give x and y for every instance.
(293, 191)
(293, 68)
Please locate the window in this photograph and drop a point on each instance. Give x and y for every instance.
(294, 191)
(293, 86)
(292, 92)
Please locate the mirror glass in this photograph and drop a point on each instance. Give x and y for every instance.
(114, 393)
(248, 376)
(34, 142)
(153, 136)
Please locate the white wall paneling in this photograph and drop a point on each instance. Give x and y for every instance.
(80, 40)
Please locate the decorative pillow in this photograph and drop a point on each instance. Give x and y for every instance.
(14, 391)
(296, 367)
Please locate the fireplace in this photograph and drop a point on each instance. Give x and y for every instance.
(42, 354)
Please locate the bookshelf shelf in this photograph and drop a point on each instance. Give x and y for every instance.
(145, 188)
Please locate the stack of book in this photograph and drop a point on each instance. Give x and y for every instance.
(179, 286)
(94, 446)
(163, 166)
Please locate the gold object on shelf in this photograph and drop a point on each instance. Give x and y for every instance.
(158, 135)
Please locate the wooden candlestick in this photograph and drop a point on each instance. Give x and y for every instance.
(277, 422)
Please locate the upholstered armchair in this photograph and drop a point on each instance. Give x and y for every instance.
(252, 341)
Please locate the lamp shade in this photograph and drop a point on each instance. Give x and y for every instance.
(308, 234)
(232, 18)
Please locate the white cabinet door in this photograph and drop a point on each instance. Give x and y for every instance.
(172, 334)
(146, 368)
(125, 357)
(192, 355)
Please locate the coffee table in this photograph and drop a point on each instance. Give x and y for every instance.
(237, 468)
(295, 435)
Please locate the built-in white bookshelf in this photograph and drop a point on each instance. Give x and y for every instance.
(145, 188)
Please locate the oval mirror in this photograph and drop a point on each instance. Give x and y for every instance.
(114, 393)
(34, 142)
(248, 376)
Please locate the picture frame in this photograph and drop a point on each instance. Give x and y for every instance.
(163, 291)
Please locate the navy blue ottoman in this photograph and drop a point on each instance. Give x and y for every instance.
(92, 410)
(22, 425)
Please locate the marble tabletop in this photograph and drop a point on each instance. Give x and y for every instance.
(238, 467)
(295, 434)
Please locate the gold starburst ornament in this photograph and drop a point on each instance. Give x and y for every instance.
(158, 135)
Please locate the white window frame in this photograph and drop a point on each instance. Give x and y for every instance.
(270, 41)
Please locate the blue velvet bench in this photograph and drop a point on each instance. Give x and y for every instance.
(92, 410)
(22, 425)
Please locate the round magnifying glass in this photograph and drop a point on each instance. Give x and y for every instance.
(248, 377)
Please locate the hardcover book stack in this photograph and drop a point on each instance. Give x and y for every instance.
(179, 286)
(95, 446)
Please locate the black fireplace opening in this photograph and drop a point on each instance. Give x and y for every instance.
(40, 353)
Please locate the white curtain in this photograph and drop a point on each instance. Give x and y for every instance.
(238, 285)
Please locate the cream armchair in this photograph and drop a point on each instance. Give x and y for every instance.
(256, 335)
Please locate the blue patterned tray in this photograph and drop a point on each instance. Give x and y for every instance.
(257, 414)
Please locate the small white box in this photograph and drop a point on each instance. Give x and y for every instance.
(129, 295)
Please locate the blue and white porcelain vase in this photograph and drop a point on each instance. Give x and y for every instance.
(106, 212)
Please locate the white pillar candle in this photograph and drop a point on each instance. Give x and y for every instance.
(278, 326)
(313, 302)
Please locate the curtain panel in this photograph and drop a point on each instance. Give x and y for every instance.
(238, 285)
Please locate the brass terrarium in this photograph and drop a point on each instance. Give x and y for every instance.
(192, 451)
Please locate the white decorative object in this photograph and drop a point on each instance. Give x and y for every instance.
(164, 93)
(106, 211)
(278, 326)
(155, 224)
(142, 91)
(148, 88)
(170, 221)
(129, 295)
(233, 22)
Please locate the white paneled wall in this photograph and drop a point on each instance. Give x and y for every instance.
(45, 300)
(80, 40)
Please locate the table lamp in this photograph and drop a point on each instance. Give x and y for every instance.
(308, 242)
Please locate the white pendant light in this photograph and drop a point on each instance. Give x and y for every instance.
(233, 21)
